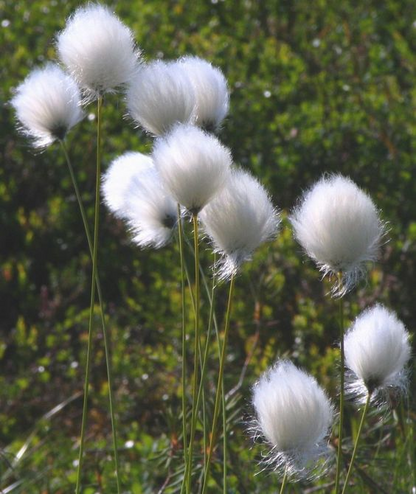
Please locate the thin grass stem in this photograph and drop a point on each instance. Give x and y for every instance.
(219, 386)
(188, 473)
(183, 339)
(357, 440)
(95, 283)
(284, 482)
(342, 391)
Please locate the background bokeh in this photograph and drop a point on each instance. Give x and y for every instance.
(315, 87)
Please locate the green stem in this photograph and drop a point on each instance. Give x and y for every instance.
(219, 386)
(341, 395)
(95, 283)
(211, 321)
(188, 471)
(224, 440)
(284, 482)
(357, 439)
(181, 254)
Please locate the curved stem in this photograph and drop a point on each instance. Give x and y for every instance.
(183, 339)
(357, 439)
(219, 386)
(284, 482)
(188, 471)
(341, 395)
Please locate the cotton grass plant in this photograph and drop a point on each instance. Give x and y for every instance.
(160, 96)
(294, 417)
(190, 173)
(135, 193)
(98, 50)
(100, 53)
(211, 92)
(47, 105)
(377, 350)
(339, 227)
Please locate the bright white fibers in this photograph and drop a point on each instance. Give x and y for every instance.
(238, 220)
(98, 50)
(47, 105)
(377, 349)
(294, 416)
(339, 227)
(160, 96)
(193, 166)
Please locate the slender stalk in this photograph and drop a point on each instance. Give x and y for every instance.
(224, 440)
(357, 439)
(211, 321)
(341, 395)
(95, 283)
(188, 472)
(181, 255)
(284, 482)
(219, 386)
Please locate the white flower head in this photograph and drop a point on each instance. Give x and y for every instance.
(193, 166)
(239, 219)
(211, 91)
(377, 349)
(339, 227)
(98, 50)
(160, 96)
(294, 416)
(117, 180)
(47, 105)
(152, 213)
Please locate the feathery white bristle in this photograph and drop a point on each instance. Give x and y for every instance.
(211, 91)
(294, 415)
(117, 180)
(160, 96)
(238, 220)
(47, 104)
(152, 213)
(339, 227)
(98, 50)
(193, 165)
(377, 349)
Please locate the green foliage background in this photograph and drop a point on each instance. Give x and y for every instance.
(315, 87)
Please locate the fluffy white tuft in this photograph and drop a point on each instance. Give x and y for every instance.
(294, 415)
(160, 96)
(193, 165)
(152, 213)
(47, 105)
(98, 50)
(238, 220)
(117, 180)
(339, 227)
(211, 91)
(377, 349)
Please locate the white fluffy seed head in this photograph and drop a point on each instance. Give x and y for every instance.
(339, 227)
(294, 416)
(160, 96)
(377, 349)
(117, 180)
(238, 220)
(211, 91)
(193, 166)
(152, 213)
(98, 50)
(47, 105)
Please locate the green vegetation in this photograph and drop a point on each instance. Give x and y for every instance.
(315, 87)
